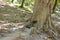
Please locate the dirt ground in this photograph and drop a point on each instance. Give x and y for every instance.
(12, 21)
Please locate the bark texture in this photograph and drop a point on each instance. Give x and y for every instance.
(42, 15)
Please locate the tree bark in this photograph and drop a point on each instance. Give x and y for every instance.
(42, 17)
(22, 4)
(12, 1)
(42, 12)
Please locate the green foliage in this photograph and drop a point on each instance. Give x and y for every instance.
(28, 4)
(7, 0)
(19, 1)
(58, 3)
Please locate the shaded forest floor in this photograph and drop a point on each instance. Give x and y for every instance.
(12, 21)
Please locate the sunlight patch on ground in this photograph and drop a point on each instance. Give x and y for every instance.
(5, 14)
(10, 26)
(58, 17)
(58, 22)
(57, 11)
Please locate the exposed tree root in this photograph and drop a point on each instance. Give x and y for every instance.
(50, 29)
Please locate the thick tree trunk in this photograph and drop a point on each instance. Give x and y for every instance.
(42, 12)
(42, 16)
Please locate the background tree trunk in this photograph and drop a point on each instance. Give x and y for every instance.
(12, 1)
(22, 4)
